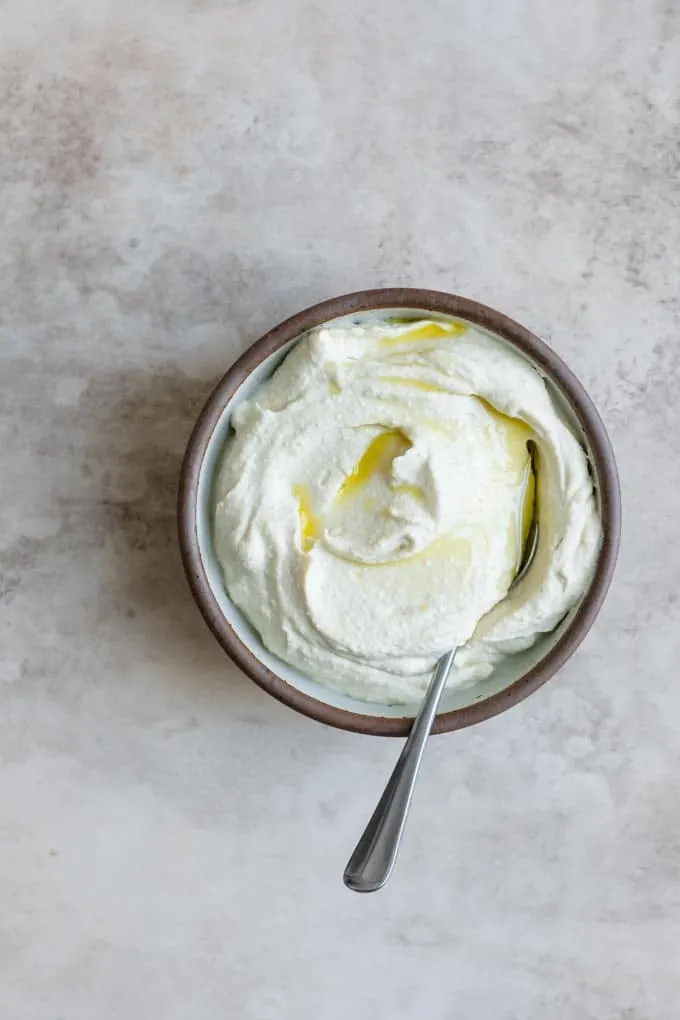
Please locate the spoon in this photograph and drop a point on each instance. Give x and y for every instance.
(374, 856)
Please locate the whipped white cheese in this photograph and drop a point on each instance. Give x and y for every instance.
(373, 502)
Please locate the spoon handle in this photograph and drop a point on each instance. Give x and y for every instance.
(370, 865)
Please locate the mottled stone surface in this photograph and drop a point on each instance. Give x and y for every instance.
(176, 177)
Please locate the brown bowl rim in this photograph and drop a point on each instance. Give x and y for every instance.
(414, 299)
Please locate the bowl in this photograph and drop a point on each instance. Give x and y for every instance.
(518, 675)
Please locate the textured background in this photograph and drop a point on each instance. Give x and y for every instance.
(176, 177)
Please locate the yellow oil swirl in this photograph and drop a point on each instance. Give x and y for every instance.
(515, 432)
(416, 384)
(414, 491)
(449, 546)
(430, 331)
(310, 525)
(376, 460)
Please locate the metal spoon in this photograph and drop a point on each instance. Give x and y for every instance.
(374, 856)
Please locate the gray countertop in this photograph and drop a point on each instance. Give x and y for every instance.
(176, 177)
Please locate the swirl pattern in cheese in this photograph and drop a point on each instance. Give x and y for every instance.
(373, 501)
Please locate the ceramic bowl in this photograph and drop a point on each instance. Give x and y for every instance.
(518, 675)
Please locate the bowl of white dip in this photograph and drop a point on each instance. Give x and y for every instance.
(354, 500)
